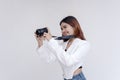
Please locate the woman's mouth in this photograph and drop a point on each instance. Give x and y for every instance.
(65, 34)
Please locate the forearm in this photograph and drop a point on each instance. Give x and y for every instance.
(45, 54)
(72, 56)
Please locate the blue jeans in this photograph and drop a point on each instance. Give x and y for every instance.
(79, 76)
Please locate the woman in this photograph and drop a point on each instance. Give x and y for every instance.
(70, 53)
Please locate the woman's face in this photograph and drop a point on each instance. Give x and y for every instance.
(66, 29)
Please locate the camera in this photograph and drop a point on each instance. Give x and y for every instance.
(41, 31)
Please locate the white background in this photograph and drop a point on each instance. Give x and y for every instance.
(19, 19)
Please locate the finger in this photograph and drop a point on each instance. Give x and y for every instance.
(45, 34)
(36, 36)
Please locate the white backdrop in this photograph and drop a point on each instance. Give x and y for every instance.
(20, 18)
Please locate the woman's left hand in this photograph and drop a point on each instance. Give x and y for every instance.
(48, 35)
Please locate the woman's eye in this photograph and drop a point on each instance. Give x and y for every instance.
(65, 27)
(62, 28)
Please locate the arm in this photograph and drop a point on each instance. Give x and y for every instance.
(80, 51)
(45, 54)
(42, 50)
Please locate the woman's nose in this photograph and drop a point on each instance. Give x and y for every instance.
(63, 31)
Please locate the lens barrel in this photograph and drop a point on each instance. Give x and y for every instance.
(41, 31)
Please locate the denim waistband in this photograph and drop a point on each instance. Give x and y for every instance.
(78, 76)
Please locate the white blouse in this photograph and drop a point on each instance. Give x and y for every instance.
(69, 60)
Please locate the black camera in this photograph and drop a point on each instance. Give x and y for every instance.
(41, 31)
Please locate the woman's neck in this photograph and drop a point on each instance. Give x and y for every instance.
(71, 40)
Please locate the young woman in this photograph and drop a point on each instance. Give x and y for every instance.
(70, 53)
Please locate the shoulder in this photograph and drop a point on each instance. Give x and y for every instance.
(78, 40)
(81, 42)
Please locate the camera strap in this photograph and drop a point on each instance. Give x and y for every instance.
(65, 37)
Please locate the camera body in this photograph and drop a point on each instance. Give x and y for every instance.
(41, 31)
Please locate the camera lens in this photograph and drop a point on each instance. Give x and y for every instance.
(41, 31)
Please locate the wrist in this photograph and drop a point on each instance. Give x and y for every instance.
(49, 38)
(39, 46)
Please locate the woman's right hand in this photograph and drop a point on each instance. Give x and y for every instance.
(39, 40)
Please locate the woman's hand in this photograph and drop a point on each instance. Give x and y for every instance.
(48, 35)
(39, 40)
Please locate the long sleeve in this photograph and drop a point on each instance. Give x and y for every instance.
(45, 54)
(75, 53)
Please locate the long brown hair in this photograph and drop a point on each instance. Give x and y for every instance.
(75, 24)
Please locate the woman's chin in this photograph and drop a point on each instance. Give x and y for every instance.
(65, 35)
